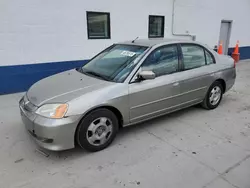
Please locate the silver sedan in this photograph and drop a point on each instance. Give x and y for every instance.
(125, 84)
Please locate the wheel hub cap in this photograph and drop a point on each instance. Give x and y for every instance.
(99, 131)
(215, 95)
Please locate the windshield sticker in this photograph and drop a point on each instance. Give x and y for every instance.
(127, 53)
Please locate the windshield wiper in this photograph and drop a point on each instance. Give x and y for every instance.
(96, 75)
(80, 69)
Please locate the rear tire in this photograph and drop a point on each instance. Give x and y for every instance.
(97, 130)
(213, 96)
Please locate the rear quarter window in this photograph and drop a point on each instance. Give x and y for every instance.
(209, 58)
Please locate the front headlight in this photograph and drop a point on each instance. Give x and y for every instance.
(55, 111)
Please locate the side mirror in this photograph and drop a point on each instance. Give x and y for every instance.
(146, 75)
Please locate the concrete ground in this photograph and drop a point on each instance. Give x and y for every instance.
(192, 148)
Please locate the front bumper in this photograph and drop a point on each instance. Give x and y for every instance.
(51, 134)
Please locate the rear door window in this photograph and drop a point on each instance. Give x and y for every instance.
(193, 56)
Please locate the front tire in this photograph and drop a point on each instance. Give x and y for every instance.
(97, 130)
(213, 96)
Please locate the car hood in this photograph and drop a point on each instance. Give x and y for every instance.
(64, 87)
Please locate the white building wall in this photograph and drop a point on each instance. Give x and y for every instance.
(38, 31)
(203, 18)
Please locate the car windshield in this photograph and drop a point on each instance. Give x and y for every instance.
(115, 63)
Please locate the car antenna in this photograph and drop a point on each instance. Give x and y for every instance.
(133, 41)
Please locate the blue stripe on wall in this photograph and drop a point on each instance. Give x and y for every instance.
(244, 52)
(19, 78)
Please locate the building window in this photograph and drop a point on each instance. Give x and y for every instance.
(156, 26)
(98, 25)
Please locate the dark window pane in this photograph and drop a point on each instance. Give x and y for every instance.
(98, 25)
(156, 26)
(162, 61)
(193, 56)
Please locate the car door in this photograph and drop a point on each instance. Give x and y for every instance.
(196, 75)
(149, 98)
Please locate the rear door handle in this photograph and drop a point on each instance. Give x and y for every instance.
(176, 84)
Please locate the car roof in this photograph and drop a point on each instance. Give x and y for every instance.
(152, 42)
(164, 41)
